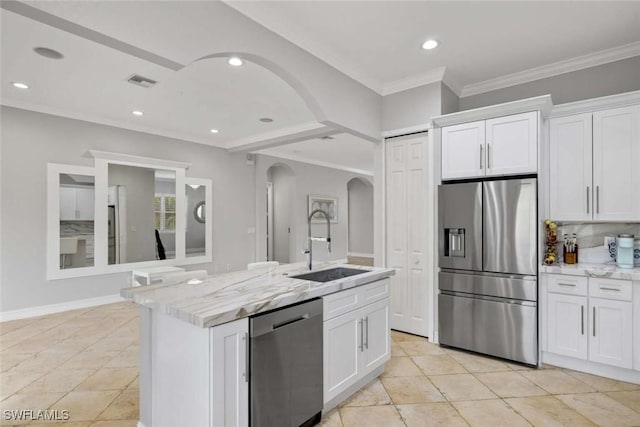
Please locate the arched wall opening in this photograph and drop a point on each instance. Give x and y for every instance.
(360, 220)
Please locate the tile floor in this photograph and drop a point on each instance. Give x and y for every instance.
(85, 361)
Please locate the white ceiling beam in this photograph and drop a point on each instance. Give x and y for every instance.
(282, 136)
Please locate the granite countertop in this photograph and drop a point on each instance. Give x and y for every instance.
(225, 297)
(607, 270)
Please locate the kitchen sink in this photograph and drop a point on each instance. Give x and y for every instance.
(330, 274)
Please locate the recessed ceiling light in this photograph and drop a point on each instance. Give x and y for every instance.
(137, 113)
(430, 44)
(48, 53)
(236, 62)
(214, 131)
(266, 120)
(20, 85)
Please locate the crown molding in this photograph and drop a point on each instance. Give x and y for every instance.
(311, 161)
(432, 76)
(595, 104)
(93, 118)
(539, 103)
(561, 67)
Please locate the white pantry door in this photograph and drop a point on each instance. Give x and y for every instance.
(405, 240)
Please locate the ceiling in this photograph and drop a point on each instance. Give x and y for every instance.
(379, 42)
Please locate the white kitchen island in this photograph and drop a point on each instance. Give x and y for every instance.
(194, 339)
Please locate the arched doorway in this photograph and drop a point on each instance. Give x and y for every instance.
(280, 219)
(360, 221)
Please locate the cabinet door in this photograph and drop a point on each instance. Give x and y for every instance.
(376, 341)
(512, 144)
(229, 376)
(610, 332)
(342, 349)
(616, 156)
(67, 204)
(85, 204)
(570, 174)
(463, 153)
(567, 325)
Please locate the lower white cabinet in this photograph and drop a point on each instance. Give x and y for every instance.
(610, 332)
(587, 326)
(567, 329)
(358, 341)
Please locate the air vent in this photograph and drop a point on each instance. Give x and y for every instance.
(141, 81)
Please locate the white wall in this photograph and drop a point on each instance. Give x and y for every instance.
(31, 140)
(309, 179)
(360, 194)
(411, 107)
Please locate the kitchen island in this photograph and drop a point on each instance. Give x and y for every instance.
(194, 339)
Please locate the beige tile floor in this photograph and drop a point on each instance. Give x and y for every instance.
(85, 361)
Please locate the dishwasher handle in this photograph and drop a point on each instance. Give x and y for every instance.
(290, 321)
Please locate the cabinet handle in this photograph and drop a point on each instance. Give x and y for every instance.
(246, 357)
(488, 156)
(582, 319)
(573, 285)
(594, 321)
(480, 156)
(603, 288)
(597, 199)
(366, 322)
(587, 199)
(361, 335)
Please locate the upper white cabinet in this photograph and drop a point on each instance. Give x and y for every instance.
(593, 166)
(76, 204)
(501, 146)
(616, 160)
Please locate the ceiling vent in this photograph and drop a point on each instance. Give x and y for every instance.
(141, 81)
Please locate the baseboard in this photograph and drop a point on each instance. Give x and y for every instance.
(140, 424)
(359, 255)
(620, 374)
(25, 313)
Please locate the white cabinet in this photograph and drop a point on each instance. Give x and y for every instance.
(512, 144)
(616, 156)
(406, 246)
(463, 150)
(590, 319)
(77, 204)
(593, 166)
(501, 146)
(229, 382)
(610, 332)
(358, 341)
(571, 190)
(566, 320)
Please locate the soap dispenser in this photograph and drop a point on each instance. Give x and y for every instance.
(625, 250)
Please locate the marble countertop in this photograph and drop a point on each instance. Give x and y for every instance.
(225, 297)
(609, 270)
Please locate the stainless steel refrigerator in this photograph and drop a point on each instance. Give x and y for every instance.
(488, 268)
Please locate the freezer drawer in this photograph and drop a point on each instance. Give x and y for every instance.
(489, 326)
(489, 284)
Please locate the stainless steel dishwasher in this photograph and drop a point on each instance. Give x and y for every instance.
(286, 366)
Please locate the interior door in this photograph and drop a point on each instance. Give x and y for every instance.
(509, 226)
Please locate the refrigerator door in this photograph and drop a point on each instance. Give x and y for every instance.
(509, 224)
(460, 226)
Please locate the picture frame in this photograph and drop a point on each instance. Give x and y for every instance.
(327, 203)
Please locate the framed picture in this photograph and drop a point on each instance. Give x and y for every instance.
(326, 203)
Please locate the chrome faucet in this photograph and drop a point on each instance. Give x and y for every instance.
(311, 239)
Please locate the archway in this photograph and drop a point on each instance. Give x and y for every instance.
(280, 193)
(360, 221)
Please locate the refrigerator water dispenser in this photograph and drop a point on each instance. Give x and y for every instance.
(454, 242)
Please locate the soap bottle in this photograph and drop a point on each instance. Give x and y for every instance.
(625, 250)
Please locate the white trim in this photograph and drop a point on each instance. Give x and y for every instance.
(595, 104)
(93, 118)
(407, 131)
(561, 67)
(282, 136)
(128, 159)
(310, 161)
(25, 313)
(358, 254)
(540, 103)
(432, 76)
(620, 374)
(208, 224)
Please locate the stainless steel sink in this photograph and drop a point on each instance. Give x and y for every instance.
(330, 274)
